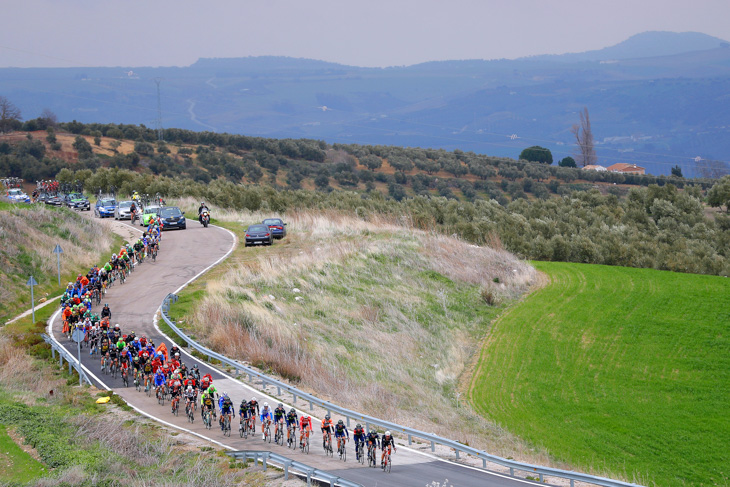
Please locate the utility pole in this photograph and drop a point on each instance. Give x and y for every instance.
(32, 282)
(58, 251)
(158, 123)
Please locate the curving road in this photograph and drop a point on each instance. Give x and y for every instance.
(185, 254)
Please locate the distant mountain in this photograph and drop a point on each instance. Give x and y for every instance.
(643, 45)
(664, 99)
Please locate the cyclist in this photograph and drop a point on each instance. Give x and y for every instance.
(243, 412)
(175, 390)
(386, 442)
(373, 439)
(279, 413)
(159, 380)
(189, 396)
(291, 423)
(358, 436)
(253, 409)
(305, 427)
(206, 401)
(226, 407)
(105, 311)
(265, 417)
(341, 434)
(326, 429)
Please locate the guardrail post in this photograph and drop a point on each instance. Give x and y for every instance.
(295, 398)
(69, 366)
(60, 359)
(572, 483)
(278, 391)
(410, 440)
(348, 421)
(309, 478)
(53, 352)
(511, 472)
(541, 479)
(264, 460)
(433, 446)
(484, 463)
(457, 454)
(367, 429)
(311, 406)
(286, 470)
(249, 377)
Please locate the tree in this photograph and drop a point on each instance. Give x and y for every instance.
(9, 116)
(371, 162)
(537, 154)
(567, 162)
(114, 144)
(677, 171)
(48, 119)
(709, 169)
(586, 152)
(719, 195)
(83, 147)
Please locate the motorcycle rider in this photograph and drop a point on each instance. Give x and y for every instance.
(202, 208)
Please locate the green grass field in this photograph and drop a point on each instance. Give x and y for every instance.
(619, 370)
(17, 466)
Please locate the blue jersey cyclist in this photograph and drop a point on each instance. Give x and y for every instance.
(265, 416)
(341, 434)
(226, 407)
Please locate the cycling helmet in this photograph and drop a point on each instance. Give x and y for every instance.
(190, 388)
(177, 355)
(225, 394)
(292, 410)
(253, 399)
(327, 417)
(116, 327)
(340, 422)
(195, 366)
(281, 405)
(358, 426)
(136, 359)
(387, 433)
(266, 404)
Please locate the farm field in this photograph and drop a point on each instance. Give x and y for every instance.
(621, 371)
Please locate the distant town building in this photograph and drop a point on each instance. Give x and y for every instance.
(622, 167)
(594, 167)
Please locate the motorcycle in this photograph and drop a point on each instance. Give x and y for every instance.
(205, 218)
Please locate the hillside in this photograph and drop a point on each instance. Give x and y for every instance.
(375, 316)
(658, 102)
(617, 370)
(27, 238)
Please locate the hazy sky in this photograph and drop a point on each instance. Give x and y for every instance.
(134, 33)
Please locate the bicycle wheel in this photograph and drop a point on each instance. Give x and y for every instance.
(387, 463)
(343, 451)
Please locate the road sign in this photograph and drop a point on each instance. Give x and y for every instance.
(78, 335)
(32, 282)
(58, 251)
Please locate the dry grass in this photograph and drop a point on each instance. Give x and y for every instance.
(368, 313)
(27, 238)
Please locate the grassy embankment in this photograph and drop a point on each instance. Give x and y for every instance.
(620, 371)
(368, 314)
(28, 234)
(74, 441)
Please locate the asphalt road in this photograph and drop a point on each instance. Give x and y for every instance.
(184, 254)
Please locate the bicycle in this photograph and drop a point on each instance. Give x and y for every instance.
(371, 455)
(292, 435)
(226, 425)
(175, 405)
(267, 431)
(207, 418)
(114, 368)
(190, 412)
(304, 446)
(342, 450)
(125, 377)
(105, 365)
(137, 381)
(327, 444)
(148, 385)
(154, 254)
(358, 452)
(386, 462)
(279, 434)
(160, 394)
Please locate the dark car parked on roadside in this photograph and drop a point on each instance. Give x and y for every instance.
(53, 200)
(259, 234)
(172, 217)
(77, 201)
(277, 227)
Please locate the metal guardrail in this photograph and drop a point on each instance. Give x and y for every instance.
(288, 464)
(63, 354)
(368, 421)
